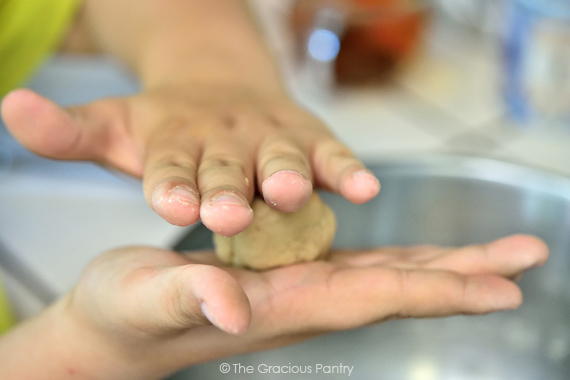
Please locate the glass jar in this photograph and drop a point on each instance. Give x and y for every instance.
(537, 62)
(352, 42)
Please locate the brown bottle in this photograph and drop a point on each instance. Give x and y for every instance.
(374, 35)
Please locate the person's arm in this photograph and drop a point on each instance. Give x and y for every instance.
(189, 42)
(212, 126)
(143, 313)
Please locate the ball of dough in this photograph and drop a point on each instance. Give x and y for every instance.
(275, 238)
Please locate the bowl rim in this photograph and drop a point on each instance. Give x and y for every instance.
(472, 167)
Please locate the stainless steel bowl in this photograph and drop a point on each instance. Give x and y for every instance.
(452, 201)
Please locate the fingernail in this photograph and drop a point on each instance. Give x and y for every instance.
(506, 305)
(363, 174)
(287, 174)
(287, 178)
(228, 199)
(206, 313)
(364, 177)
(209, 315)
(183, 194)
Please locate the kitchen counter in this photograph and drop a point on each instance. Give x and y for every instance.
(56, 216)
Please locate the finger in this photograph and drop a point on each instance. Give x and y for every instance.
(284, 173)
(506, 257)
(170, 175)
(441, 293)
(181, 297)
(337, 169)
(93, 132)
(386, 294)
(225, 180)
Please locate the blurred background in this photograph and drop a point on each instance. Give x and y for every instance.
(486, 78)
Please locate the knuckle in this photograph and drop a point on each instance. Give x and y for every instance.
(332, 148)
(336, 157)
(274, 122)
(214, 164)
(280, 147)
(340, 152)
(286, 162)
(402, 283)
(177, 161)
(179, 311)
(289, 155)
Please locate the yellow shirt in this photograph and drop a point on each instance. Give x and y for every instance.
(6, 316)
(29, 31)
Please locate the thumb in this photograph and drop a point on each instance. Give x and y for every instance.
(181, 297)
(96, 131)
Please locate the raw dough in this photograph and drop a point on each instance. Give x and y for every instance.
(275, 238)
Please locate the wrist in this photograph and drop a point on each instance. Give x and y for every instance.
(50, 346)
(83, 348)
(79, 348)
(212, 70)
(227, 50)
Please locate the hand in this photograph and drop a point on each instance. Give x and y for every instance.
(150, 310)
(202, 151)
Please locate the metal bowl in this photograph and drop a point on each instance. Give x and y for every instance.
(446, 200)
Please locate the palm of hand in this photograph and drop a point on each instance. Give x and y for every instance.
(157, 298)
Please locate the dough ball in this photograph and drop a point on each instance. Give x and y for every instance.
(275, 238)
